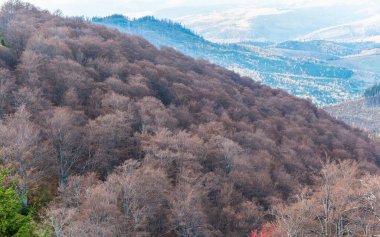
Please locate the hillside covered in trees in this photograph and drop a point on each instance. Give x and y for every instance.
(372, 95)
(106, 135)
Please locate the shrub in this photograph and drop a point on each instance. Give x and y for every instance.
(266, 231)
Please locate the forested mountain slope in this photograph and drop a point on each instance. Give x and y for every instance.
(132, 140)
(302, 73)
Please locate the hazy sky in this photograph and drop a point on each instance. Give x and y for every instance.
(136, 8)
(127, 7)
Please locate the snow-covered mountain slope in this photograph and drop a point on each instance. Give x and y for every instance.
(363, 62)
(276, 21)
(337, 49)
(268, 24)
(357, 31)
(232, 25)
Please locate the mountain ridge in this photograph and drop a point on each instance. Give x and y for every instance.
(276, 69)
(236, 24)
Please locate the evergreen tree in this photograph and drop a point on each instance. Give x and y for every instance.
(372, 95)
(12, 220)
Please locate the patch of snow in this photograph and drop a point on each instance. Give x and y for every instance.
(366, 30)
(231, 24)
(364, 53)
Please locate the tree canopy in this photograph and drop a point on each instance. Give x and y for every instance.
(132, 140)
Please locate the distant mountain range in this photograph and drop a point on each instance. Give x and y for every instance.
(319, 70)
(334, 20)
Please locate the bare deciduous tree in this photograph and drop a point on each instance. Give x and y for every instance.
(20, 138)
(66, 136)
